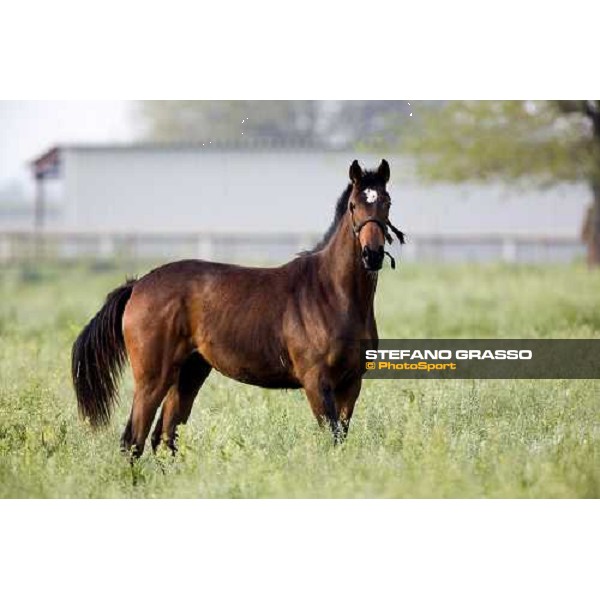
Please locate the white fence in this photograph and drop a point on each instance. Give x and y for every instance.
(271, 248)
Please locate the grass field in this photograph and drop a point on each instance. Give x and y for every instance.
(408, 438)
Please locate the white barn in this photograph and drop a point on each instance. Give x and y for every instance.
(289, 191)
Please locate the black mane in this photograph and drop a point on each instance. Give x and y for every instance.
(369, 179)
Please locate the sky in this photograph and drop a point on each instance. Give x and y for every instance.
(29, 127)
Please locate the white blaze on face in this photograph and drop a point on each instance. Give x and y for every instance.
(371, 195)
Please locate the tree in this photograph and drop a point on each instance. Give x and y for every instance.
(332, 123)
(355, 122)
(226, 120)
(544, 142)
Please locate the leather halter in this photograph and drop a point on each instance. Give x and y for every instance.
(383, 225)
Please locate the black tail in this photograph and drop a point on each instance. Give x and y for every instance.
(98, 357)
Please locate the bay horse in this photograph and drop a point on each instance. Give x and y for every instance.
(294, 326)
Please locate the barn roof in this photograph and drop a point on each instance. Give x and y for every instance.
(49, 159)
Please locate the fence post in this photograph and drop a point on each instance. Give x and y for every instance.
(107, 247)
(509, 250)
(408, 252)
(4, 250)
(205, 246)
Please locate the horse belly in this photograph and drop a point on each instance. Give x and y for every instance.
(251, 364)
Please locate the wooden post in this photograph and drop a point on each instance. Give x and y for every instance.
(40, 207)
(39, 216)
(509, 250)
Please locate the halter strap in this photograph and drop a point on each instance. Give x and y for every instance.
(383, 225)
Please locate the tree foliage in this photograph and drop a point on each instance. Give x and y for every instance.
(206, 120)
(543, 141)
(333, 123)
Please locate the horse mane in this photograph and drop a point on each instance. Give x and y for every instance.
(370, 178)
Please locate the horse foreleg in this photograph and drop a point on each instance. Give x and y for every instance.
(345, 399)
(321, 398)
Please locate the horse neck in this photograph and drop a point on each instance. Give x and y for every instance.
(342, 265)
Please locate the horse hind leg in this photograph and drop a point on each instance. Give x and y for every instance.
(149, 393)
(157, 348)
(127, 436)
(147, 397)
(155, 368)
(179, 401)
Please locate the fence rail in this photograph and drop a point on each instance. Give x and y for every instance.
(19, 246)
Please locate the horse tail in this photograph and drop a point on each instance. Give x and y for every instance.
(98, 357)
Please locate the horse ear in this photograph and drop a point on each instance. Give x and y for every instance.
(384, 170)
(356, 172)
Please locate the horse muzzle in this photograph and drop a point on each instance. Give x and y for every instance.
(372, 259)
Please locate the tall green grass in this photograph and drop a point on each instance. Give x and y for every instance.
(408, 438)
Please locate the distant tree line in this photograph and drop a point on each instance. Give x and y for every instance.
(329, 123)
